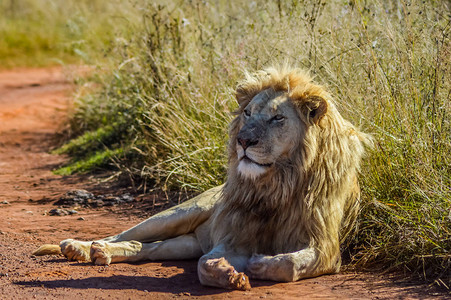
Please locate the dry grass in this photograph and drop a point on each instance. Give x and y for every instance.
(46, 32)
(165, 101)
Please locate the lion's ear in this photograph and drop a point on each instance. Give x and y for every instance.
(243, 96)
(245, 91)
(313, 108)
(250, 86)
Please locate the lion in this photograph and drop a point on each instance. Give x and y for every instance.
(290, 198)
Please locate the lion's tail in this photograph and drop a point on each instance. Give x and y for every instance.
(47, 249)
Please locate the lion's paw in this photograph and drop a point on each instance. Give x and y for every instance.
(219, 272)
(239, 281)
(281, 267)
(75, 250)
(257, 266)
(100, 255)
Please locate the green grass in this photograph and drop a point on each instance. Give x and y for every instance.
(99, 155)
(164, 95)
(46, 32)
(99, 159)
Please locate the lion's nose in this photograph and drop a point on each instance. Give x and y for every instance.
(245, 143)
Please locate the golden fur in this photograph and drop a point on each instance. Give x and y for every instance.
(310, 199)
(291, 194)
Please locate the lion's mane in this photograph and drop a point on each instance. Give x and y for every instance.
(309, 199)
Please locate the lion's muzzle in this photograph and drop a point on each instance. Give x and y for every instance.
(251, 133)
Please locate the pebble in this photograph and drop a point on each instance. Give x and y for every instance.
(57, 212)
(4, 202)
(87, 199)
(74, 197)
(81, 219)
(83, 198)
(98, 203)
(62, 212)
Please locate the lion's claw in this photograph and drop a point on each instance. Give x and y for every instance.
(239, 281)
(100, 254)
(219, 272)
(75, 250)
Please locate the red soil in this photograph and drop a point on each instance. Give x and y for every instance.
(33, 106)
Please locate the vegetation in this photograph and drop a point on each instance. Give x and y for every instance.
(165, 95)
(47, 32)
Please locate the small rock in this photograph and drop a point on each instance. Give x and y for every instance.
(119, 201)
(109, 199)
(81, 219)
(97, 203)
(127, 198)
(83, 194)
(74, 197)
(83, 198)
(58, 212)
(62, 212)
(108, 203)
(4, 202)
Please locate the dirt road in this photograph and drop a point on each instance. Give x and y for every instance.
(33, 106)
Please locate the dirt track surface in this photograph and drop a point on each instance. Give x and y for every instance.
(33, 105)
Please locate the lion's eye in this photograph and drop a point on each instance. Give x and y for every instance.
(247, 113)
(278, 118)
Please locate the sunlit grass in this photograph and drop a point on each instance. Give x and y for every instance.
(165, 96)
(93, 161)
(46, 32)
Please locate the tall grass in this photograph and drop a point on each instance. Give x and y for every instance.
(160, 111)
(47, 32)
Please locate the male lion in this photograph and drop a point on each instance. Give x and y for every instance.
(291, 194)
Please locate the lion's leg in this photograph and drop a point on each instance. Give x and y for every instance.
(182, 247)
(223, 269)
(75, 250)
(288, 267)
(178, 220)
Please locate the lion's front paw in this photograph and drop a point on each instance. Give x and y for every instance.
(218, 272)
(278, 268)
(75, 250)
(239, 281)
(100, 255)
(257, 266)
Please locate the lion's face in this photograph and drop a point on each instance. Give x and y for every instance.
(269, 129)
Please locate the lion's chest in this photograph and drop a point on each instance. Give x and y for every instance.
(266, 231)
